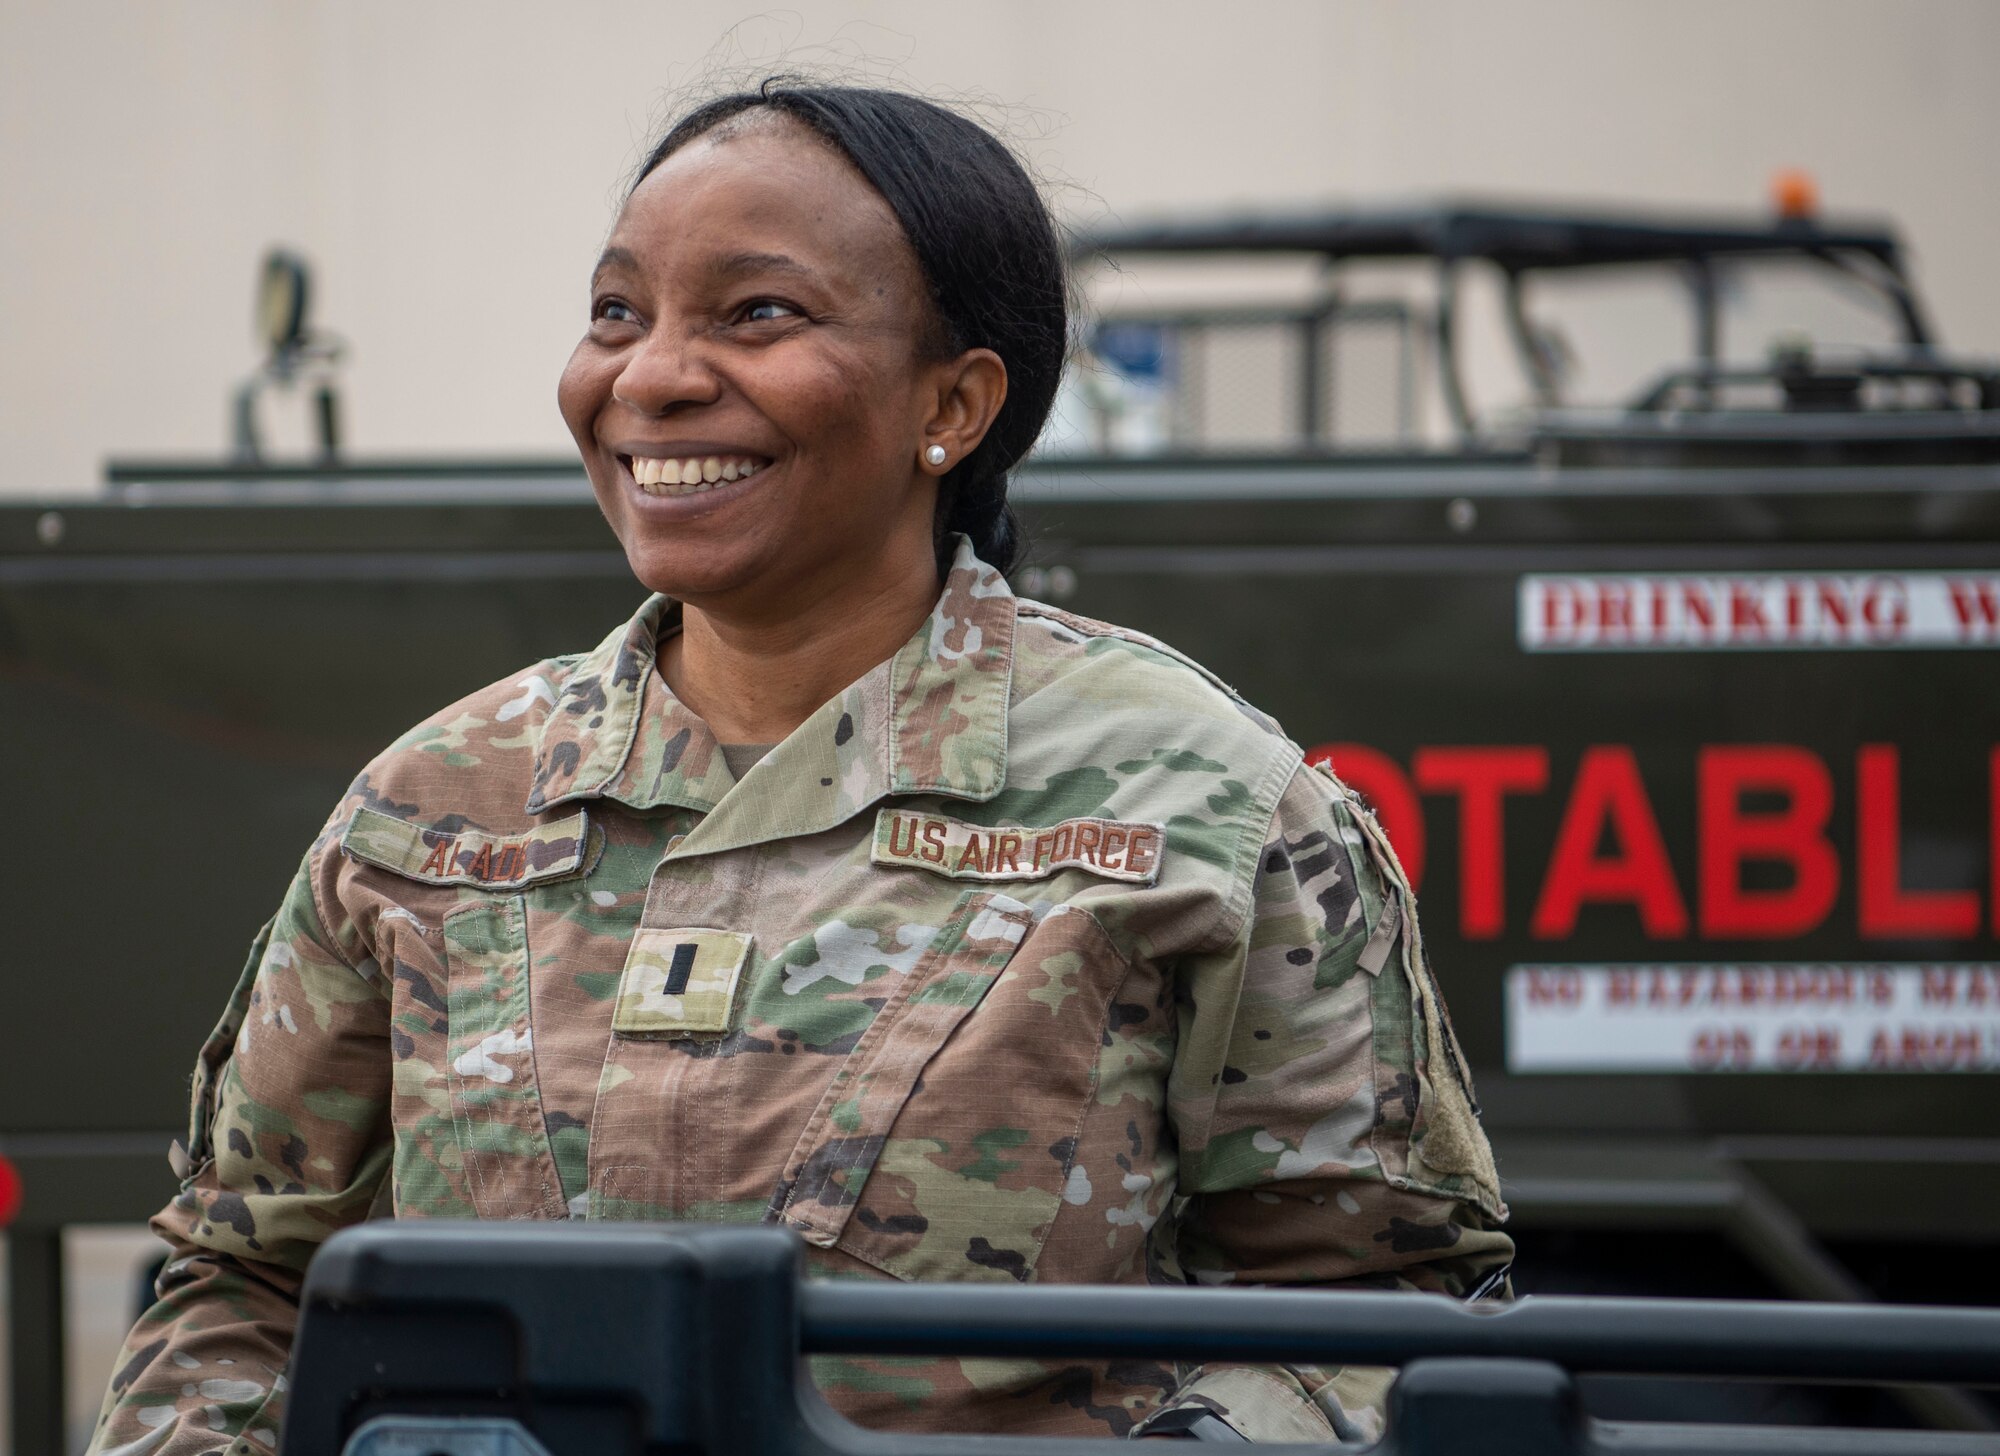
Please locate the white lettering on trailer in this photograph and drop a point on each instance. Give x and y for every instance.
(1764, 1017)
(1664, 612)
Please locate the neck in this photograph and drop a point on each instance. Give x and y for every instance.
(754, 681)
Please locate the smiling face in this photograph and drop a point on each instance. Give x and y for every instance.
(753, 393)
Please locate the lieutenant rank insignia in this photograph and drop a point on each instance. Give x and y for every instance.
(679, 981)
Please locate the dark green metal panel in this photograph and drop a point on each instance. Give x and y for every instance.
(190, 674)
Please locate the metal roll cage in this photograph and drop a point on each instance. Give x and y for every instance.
(482, 1339)
(1520, 243)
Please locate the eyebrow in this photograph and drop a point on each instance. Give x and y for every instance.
(622, 257)
(739, 263)
(734, 265)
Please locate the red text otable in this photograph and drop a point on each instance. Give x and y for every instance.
(1779, 841)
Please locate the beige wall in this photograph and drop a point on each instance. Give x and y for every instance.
(450, 167)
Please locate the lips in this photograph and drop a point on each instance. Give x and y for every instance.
(677, 475)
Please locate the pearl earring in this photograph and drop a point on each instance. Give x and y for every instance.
(935, 454)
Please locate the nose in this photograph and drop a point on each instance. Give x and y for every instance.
(669, 367)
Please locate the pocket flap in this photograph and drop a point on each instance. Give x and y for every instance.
(549, 851)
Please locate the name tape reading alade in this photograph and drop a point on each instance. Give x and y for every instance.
(1804, 1017)
(1663, 612)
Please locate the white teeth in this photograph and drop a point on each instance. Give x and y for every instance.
(659, 476)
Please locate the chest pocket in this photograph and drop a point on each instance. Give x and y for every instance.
(496, 1109)
(940, 1150)
(471, 1136)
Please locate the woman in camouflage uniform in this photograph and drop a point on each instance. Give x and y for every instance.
(840, 887)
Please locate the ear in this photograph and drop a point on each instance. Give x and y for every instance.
(970, 389)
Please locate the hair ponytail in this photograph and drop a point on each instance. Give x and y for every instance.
(977, 509)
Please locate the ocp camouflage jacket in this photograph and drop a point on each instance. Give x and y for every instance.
(1034, 955)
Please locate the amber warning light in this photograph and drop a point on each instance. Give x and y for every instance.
(1794, 194)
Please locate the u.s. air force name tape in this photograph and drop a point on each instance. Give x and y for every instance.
(1111, 848)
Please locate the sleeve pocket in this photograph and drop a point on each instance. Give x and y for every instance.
(191, 1152)
(1448, 1151)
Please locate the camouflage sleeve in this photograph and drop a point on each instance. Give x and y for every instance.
(1328, 1132)
(286, 1142)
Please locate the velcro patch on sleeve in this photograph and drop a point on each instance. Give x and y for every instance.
(467, 856)
(1111, 848)
(679, 981)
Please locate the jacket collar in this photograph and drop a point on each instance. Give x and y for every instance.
(930, 720)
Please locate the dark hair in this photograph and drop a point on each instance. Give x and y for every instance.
(987, 247)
